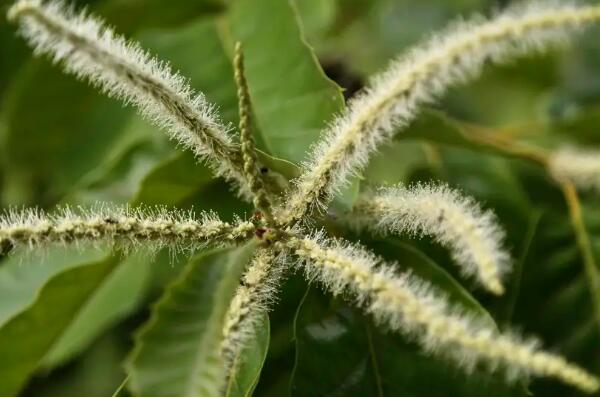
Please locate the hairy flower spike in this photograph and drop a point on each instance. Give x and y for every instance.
(254, 177)
(252, 299)
(119, 225)
(580, 166)
(458, 222)
(410, 305)
(92, 51)
(395, 97)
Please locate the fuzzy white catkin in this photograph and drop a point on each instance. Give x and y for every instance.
(410, 305)
(473, 235)
(252, 299)
(394, 98)
(90, 50)
(155, 227)
(579, 165)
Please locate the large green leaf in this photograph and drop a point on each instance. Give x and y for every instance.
(119, 295)
(185, 329)
(340, 352)
(29, 337)
(70, 124)
(22, 280)
(291, 96)
(22, 275)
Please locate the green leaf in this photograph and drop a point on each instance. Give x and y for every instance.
(29, 337)
(70, 124)
(408, 157)
(22, 275)
(119, 295)
(118, 176)
(555, 300)
(185, 329)
(292, 98)
(247, 366)
(340, 352)
(173, 181)
(97, 373)
(22, 285)
(317, 17)
(507, 304)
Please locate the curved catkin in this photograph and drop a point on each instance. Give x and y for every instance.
(578, 165)
(394, 98)
(410, 305)
(158, 227)
(90, 50)
(252, 299)
(473, 236)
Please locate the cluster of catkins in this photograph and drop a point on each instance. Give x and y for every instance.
(85, 47)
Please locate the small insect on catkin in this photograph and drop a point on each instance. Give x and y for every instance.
(90, 50)
(408, 304)
(252, 299)
(394, 98)
(33, 228)
(577, 165)
(457, 222)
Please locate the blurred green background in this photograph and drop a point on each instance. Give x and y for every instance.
(61, 142)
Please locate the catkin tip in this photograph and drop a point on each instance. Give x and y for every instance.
(473, 235)
(581, 166)
(495, 287)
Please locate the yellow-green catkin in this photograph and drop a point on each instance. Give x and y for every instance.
(407, 304)
(395, 97)
(252, 172)
(252, 300)
(159, 227)
(90, 50)
(474, 236)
